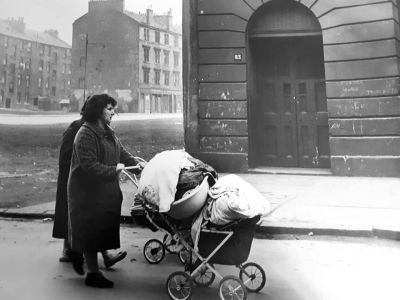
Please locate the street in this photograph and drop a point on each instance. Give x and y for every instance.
(324, 268)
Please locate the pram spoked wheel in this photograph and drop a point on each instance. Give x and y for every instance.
(179, 286)
(171, 245)
(232, 288)
(154, 251)
(253, 276)
(204, 277)
(184, 256)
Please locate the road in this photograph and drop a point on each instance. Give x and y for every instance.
(297, 268)
(46, 119)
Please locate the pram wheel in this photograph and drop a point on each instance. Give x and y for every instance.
(179, 286)
(253, 276)
(170, 244)
(184, 256)
(154, 251)
(232, 288)
(204, 277)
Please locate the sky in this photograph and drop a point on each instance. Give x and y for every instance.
(60, 14)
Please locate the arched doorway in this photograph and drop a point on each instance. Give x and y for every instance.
(288, 120)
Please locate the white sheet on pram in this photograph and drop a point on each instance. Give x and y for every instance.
(235, 198)
(157, 185)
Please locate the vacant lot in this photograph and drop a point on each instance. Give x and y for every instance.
(29, 155)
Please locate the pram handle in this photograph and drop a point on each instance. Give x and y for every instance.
(134, 180)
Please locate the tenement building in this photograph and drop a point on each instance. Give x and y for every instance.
(34, 67)
(293, 84)
(132, 56)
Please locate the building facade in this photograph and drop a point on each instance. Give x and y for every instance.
(34, 67)
(134, 57)
(285, 83)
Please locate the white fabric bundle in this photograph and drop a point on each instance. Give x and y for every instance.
(234, 198)
(157, 185)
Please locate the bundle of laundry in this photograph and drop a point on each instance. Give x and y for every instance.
(168, 176)
(232, 198)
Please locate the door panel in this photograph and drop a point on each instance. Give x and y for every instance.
(292, 118)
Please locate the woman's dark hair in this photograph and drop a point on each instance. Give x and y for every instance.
(94, 106)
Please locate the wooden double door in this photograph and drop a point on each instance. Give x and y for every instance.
(291, 126)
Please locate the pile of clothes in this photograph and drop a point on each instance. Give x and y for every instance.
(169, 175)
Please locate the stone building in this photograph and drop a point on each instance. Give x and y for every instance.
(295, 84)
(134, 57)
(34, 67)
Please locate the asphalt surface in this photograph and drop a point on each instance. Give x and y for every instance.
(324, 268)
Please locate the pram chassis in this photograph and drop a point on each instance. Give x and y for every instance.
(229, 286)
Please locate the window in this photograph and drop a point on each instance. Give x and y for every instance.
(15, 50)
(29, 47)
(64, 69)
(81, 83)
(166, 78)
(41, 49)
(157, 53)
(176, 40)
(65, 53)
(28, 80)
(146, 34)
(19, 97)
(176, 79)
(64, 85)
(12, 68)
(19, 80)
(146, 75)
(146, 51)
(28, 64)
(48, 67)
(54, 74)
(6, 41)
(55, 57)
(176, 59)
(53, 90)
(158, 37)
(69, 82)
(21, 63)
(166, 57)
(82, 61)
(157, 76)
(11, 87)
(5, 59)
(49, 51)
(26, 97)
(3, 77)
(40, 82)
(41, 65)
(166, 38)
(47, 83)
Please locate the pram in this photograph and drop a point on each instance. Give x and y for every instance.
(227, 245)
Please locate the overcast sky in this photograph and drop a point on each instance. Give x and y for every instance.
(59, 14)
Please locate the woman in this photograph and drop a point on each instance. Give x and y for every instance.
(94, 195)
(60, 228)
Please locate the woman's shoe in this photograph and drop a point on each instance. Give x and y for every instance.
(98, 280)
(110, 260)
(66, 256)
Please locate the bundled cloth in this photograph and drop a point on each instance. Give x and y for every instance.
(234, 198)
(230, 199)
(168, 176)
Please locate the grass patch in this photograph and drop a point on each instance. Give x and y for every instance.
(33, 150)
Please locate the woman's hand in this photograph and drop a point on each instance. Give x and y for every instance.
(120, 167)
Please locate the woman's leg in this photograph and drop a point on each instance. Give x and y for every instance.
(94, 277)
(91, 262)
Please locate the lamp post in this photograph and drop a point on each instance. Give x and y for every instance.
(84, 76)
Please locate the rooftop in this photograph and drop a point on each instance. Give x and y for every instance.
(17, 29)
(158, 21)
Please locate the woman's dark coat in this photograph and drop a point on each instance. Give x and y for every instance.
(94, 195)
(60, 228)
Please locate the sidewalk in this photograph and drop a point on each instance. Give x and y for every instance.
(315, 205)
